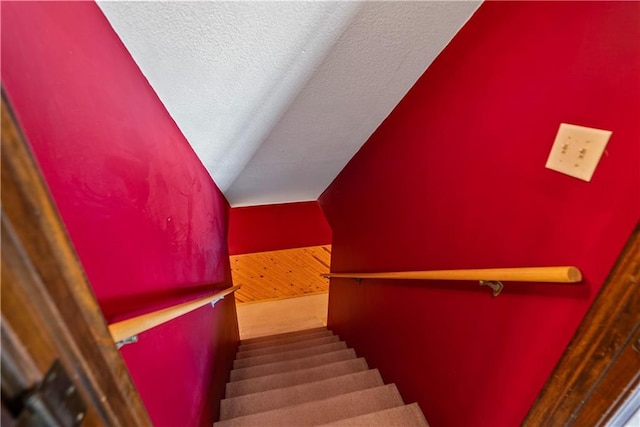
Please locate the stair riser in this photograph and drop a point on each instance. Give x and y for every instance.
(323, 411)
(291, 365)
(289, 379)
(288, 355)
(287, 347)
(273, 343)
(284, 335)
(282, 397)
(408, 415)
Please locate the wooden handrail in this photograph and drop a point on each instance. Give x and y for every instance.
(568, 274)
(131, 327)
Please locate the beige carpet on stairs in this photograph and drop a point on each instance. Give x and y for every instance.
(309, 378)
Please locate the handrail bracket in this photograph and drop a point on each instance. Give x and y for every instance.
(496, 285)
(213, 302)
(126, 341)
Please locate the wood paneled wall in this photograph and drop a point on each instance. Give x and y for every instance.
(281, 274)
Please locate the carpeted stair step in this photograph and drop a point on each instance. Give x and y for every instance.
(291, 365)
(287, 347)
(284, 335)
(288, 355)
(288, 379)
(401, 416)
(323, 411)
(281, 397)
(289, 336)
(276, 343)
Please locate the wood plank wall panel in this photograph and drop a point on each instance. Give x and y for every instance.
(281, 274)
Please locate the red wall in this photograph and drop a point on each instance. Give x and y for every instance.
(455, 178)
(148, 223)
(274, 227)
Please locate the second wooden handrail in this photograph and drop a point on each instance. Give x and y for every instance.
(565, 274)
(131, 327)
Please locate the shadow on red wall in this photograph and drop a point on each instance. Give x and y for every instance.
(275, 227)
(455, 178)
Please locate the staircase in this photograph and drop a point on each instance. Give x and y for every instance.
(309, 378)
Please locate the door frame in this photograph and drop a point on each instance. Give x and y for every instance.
(600, 368)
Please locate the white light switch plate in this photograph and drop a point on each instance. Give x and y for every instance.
(577, 150)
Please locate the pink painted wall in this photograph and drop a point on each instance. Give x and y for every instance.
(275, 227)
(147, 221)
(455, 178)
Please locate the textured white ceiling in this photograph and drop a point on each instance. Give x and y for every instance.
(276, 97)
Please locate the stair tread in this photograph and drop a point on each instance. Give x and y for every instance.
(287, 379)
(288, 355)
(288, 346)
(323, 411)
(291, 365)
(283, 341)
(286, 396)
(401, 416)
(299, 333)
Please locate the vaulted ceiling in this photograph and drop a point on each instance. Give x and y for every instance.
(276, 97)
